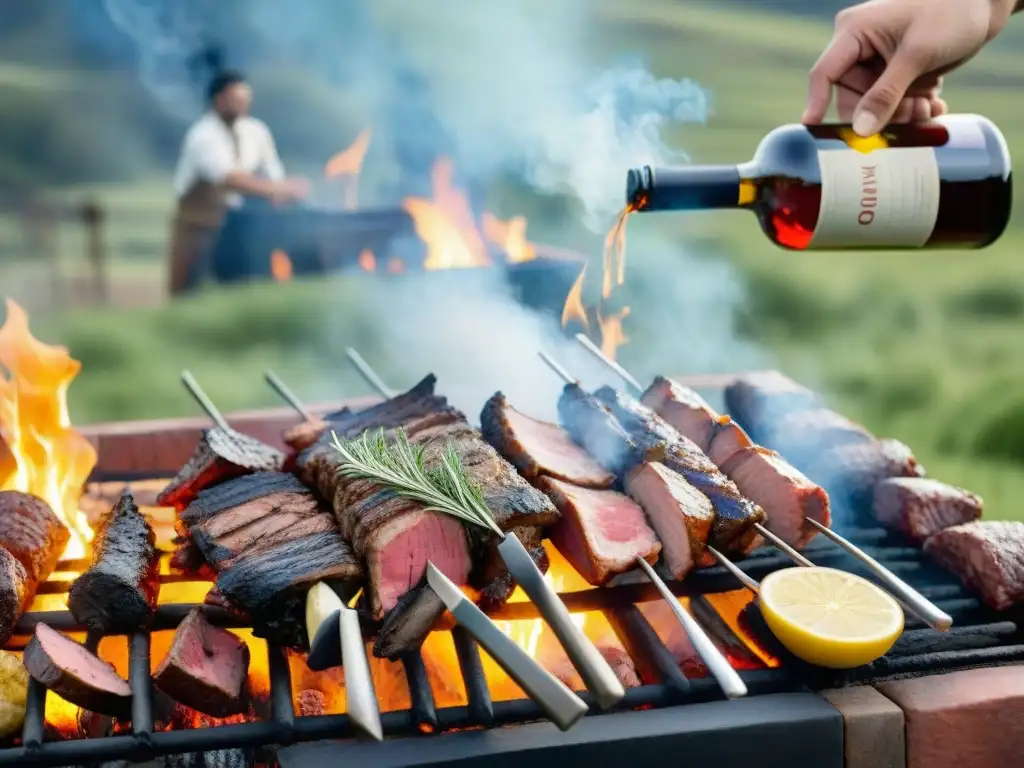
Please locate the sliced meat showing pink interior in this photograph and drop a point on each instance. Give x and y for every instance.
(397, 553)
(987, 556)
(919, 507)
(680, 514)
(538, 447)
(683, 408)
(728, 440)
(785, 494)
(601, 533)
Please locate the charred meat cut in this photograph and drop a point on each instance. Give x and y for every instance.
(851, 472)
(220, 455)
(918, 507)
(680, 514)
(76, 674)
(760, 400)
(987, 556)
(735, 514)
(117, 594)
(236, 492)
(206, 668)
(407, 624)
(31, 532)
(14, 593)
(539, 448)
(594, 427)
(271, 585)
(492, 573)
(301, 436)
(802, 435)
(785, 494)
(601, 532)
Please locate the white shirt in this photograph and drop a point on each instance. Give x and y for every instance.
(209, 153)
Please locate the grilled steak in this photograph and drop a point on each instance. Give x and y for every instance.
(759, 400)
(987, 556)
(217, 600)
(802, 435)
(601, 532)
(492, 573)
(407, 624)
(538, 448)
(31, 532)
(236, 492)
(850, 472)
(220, 455)
(206, 668)
(684, 409)
(271, 585)
(680, 514)
(76, 674)
(783, 492)
(14, 593)
(117, 594)
(594, 427)
(303, 435)
(735, 514)
(918, 507)
(188, 558)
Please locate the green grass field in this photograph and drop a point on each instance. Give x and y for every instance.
(924, 346)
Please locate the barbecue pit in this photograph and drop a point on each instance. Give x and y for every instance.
(793, 712)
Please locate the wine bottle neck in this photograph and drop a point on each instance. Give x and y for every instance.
(684, 188)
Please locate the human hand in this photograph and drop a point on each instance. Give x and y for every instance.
(887, 57)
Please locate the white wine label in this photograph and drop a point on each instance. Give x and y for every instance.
(888, 198)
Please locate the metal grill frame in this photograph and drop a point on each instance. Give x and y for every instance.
(987, 640)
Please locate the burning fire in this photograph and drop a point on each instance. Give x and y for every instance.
(607, 322)
(510, 236)
(347, 165)
(280, 266)
(42, 454)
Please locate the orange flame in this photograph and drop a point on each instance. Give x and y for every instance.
(280, 266)
(445, 224)
(367, 260)
(510, 236)
(44, 456)
(609, 323)
(349, 164)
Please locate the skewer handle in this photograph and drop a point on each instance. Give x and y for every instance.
(555, 366)
(369, 374)
(204, 401)
(731, 683)
(917, 603)
(596, 672)
(621, 372)
(282, 389)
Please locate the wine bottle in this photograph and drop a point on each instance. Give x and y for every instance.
(944, 183)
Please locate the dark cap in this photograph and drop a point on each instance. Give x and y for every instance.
(222, 81)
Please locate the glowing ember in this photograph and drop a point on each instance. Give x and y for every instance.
(280, 266)
(43, 456)
(348, 164)
(367, 261)
(510, 236)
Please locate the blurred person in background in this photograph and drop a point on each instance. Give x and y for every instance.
(226, 154)
(887, 58)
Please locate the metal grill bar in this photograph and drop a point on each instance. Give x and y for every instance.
(422, 713)
(141, 683)
(477, 692)
(281, 707)
(35, 715)
(654, 662)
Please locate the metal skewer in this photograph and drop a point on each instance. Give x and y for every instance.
(911, 600)
(278, 385)
(204, 401)
(369, 374)
(716, 663)
(597, 674)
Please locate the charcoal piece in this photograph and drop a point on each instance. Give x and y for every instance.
(76, 674)
(220, 455)
(118, 592)
(206, 668)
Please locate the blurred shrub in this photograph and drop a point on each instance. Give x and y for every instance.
(1000, 300)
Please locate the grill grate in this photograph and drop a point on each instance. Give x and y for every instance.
(979, 638)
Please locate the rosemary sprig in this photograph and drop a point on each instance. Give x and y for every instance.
(399, 466)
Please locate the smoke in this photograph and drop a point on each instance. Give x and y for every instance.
(519, 89)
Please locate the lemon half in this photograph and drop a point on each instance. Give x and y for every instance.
(829, 617)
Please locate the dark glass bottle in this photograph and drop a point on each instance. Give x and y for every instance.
(941, 184)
